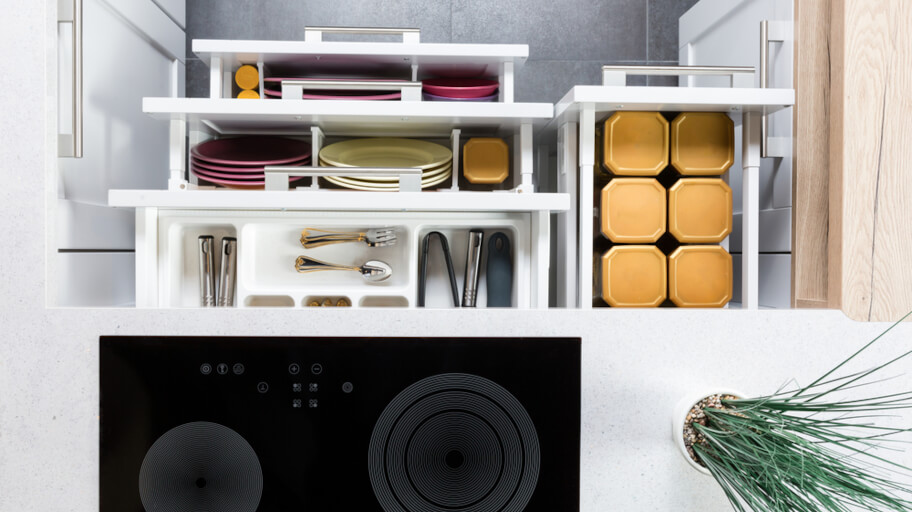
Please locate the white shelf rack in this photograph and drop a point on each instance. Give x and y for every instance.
(408, 58)
(168, 221)
(576, 115)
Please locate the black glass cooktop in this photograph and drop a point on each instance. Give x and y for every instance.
(233, 424)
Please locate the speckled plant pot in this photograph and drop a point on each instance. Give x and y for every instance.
(682, 409)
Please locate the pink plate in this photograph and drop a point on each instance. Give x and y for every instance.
(252, 151)
(245, 183)
(342, 95)
(337, 95)
(206, 166)
(432, 97)
(460, 87)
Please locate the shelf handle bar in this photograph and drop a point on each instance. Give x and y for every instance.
(294, 89)
(409, 177)
(616, 76)
(70, 145)
(770, 32)
(315, 34)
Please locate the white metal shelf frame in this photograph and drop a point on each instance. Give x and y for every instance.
(409, 56)
(575, 119)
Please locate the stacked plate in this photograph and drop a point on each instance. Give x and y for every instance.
(460, 89)
(436, 161)
(239, 162)
(273, 89)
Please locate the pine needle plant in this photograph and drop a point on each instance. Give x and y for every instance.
(807, 449)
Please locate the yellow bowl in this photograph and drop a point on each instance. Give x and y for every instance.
(633, 210)
(700, 276)
(700, 210)
(634, 276)
(635, 143)
(486, 160)
(702, 143)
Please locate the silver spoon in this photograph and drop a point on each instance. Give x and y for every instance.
(373, 270)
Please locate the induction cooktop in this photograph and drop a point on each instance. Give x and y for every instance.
(244, 424)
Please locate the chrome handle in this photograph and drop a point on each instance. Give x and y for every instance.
(409, 35)
(616, 75)
(779, 32)
(304, 265)
(277, 176)
(207, 271)
(70, 146)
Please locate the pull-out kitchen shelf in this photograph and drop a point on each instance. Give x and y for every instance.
(408, 58)
(267, 223)
(268, 243)
(576, 117)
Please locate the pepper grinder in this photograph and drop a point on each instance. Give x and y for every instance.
(227, 277)
(207, 271)
(473, 265)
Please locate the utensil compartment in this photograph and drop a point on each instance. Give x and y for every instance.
(269, 242)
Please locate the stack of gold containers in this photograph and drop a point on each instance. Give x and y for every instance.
(247, 78)
(660, 225)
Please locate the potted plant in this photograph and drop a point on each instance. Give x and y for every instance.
(811, 448)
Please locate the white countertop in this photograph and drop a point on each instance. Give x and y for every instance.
(636, 364)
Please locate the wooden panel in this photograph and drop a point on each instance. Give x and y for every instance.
(869, 158)
(811, 154)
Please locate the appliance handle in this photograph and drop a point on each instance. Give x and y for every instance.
(315, 34)
(70, 145)
(779, 34)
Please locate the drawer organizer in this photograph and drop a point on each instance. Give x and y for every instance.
(268, 243)
(584, 108)
(267, 223)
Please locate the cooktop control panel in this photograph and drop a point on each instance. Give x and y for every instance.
(321, 424)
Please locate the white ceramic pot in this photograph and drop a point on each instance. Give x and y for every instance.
(680, 414)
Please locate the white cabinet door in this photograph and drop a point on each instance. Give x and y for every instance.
(727, 33)
(130, 49)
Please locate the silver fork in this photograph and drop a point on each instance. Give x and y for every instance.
(383, 237)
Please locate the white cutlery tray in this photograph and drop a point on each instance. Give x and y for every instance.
(268, 244)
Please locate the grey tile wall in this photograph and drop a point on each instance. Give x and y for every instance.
(569, 40)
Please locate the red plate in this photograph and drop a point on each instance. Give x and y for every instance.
(460, 87)
(252, 151)
(206, 166)
(260, 180)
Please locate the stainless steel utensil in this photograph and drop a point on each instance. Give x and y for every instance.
(473, 265)
(228, 274)
(373, 270)
(207, 271)
(383, 237)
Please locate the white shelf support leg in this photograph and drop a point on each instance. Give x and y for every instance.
(586, 178)
(146, 257)
(506, 82)
(541, 258)
(454, 142)
(316, 144)
(215, 77)
(567, 173)
(750, 230)
(524, 159)
(414, 72)
(177, 155)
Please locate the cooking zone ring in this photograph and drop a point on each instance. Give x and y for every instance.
(454, 442)
(201, 466)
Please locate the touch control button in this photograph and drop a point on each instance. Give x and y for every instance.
(262, 387)
(238, 368)
(347, 387)
(222, 368)
(294, 368)
(205, 368)
(316, 368)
